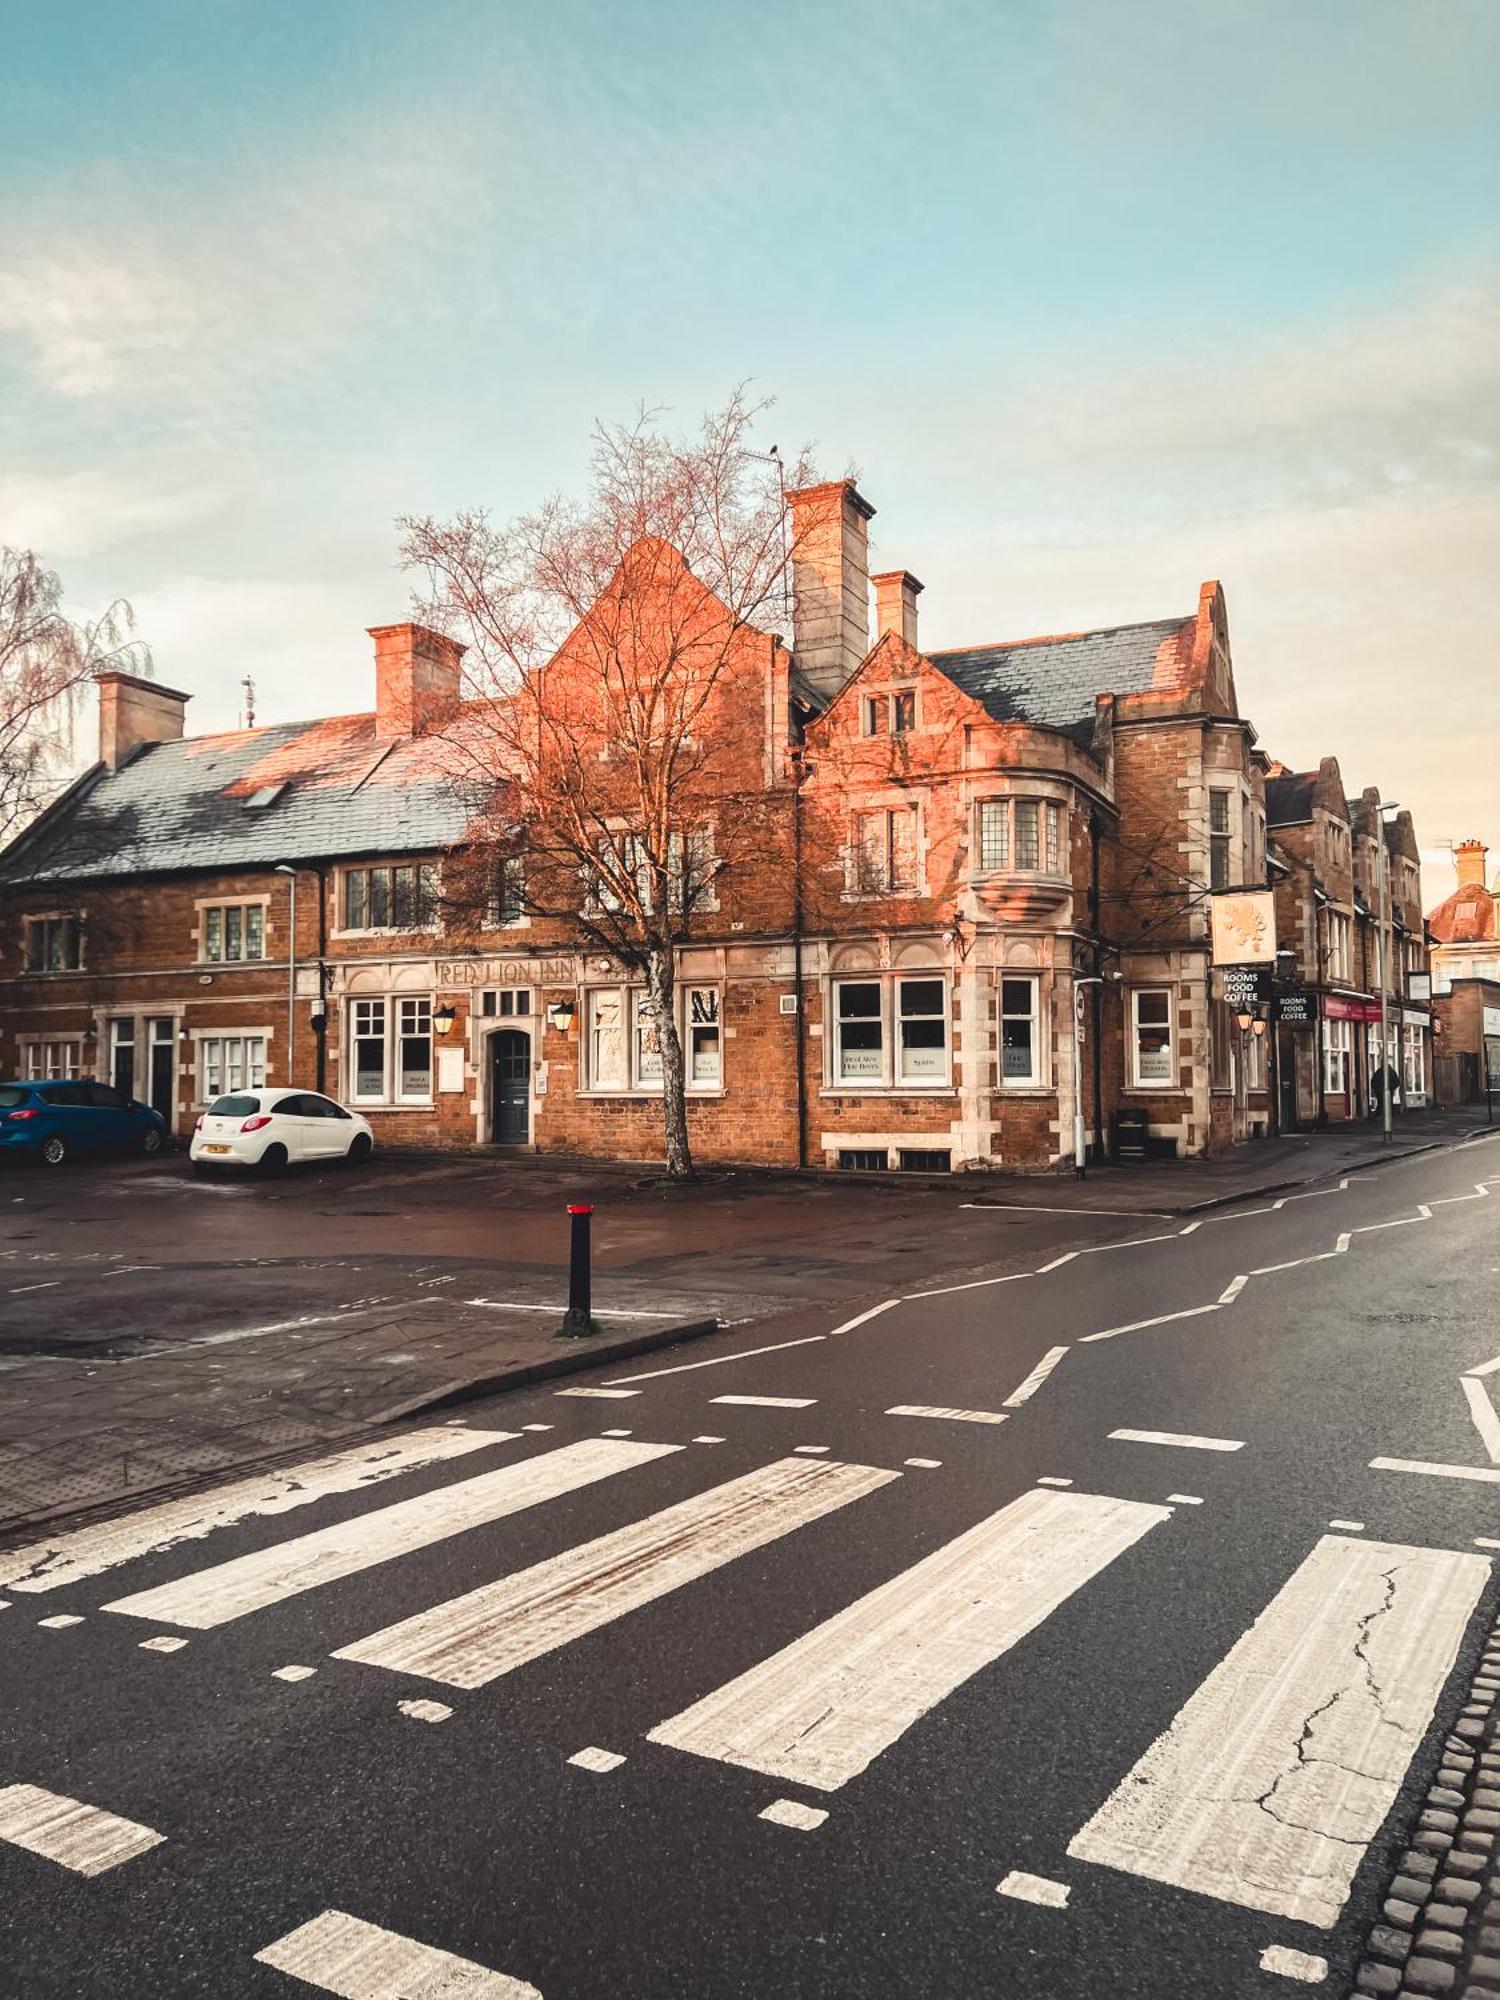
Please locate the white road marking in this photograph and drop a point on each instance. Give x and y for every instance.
(539, 1427)
(1486, 1542)
(970, 1285)
(293, 1673)
(47, 1285)
(1177, 1438)
(425, 1711)
(719, 1360)
(873, 1312)
(1482, 1410)
(82, 1552)
(359, 1961)
(1348, 1527)
(1161, 1319)
(1294, 1964)
(1035, 1379)
(710, 1440)
(823, 1708)
(1233, 1289)
(792, 1812)
(164, 1643)
(526, 1306)
(1486, 1475)
(1272, 1780)
(1485, 1367)
(269, 1576)
(60, 1621)
(926, 1464)
(474, 1639)
(1034, 1889)
(1036, 1208)
(769, 1402)
(75, 1836)
(1048, 1479)
(597, 1760)
(809, 1450)
(617, 1434)
(955, 1416)
(601, 1395)
(1066, 1258)
(1185, 1499)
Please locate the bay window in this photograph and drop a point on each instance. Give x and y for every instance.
(1218, 840)
(1151, 1040)
(890, 1032)
(1020, 1043)
(1020, 833)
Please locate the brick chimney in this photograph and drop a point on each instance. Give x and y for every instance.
(896, 594)
(416, 678)
(1469, 858)
(132, 712)
(830, 581)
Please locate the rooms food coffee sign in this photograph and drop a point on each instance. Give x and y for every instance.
(1244, 927)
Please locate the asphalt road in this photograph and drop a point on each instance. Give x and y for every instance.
(1030, 1643)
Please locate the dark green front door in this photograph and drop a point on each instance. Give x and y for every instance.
(510, 1087)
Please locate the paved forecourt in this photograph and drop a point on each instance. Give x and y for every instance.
(954, 1651)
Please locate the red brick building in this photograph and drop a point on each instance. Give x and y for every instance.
(1465, 933)
(973, 909)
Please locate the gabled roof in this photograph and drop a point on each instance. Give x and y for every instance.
(297, 791)
(1471, 915)
(1054, 682)
(1289, 799)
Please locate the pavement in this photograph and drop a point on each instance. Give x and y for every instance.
(158, 1329)
(1096, 1622)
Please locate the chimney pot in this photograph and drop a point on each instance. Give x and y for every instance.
(416, 679)
(1469, 858)
(133, 711)
(896, 593)
(830, 581)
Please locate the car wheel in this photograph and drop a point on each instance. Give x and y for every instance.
(150, 1141)
(360, 1149)
(54, 1150)
(273, 1160)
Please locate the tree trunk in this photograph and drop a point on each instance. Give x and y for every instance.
(661, 986)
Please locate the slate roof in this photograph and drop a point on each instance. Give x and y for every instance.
(1289, 800)
(1053, 682)
(324, 789)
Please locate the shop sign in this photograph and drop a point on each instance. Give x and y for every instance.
(1492, 1020)
(1419, 985)
(1244, 927)
(1245, 987)
(1349, 1007)
(1297, 1007)
(507, 972)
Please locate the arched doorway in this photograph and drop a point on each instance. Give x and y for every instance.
(510, 1088)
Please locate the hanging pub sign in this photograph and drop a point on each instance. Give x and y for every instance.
(1245, 987)
(1296, 1006)
(1244, 927)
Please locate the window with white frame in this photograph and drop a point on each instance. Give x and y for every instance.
(1413, 1061)
(1339, 931)
(1020, 1042)
(413, 1078)
(1219, 840)
(45, 1060)
(54, 944)
(367, 1051)
(231, 933)
(399, 898)
(886, 850)
(1338, 1055)
(1153, 1060)
(1255, 1060)
(230, 1062)
(1020, 833)
(617, 1061)
(890, 1032)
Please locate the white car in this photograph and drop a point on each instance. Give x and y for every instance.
(272, 1129)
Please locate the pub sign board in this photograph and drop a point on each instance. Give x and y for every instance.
(1297, 1007)
(1245, 987)
(1244, 927)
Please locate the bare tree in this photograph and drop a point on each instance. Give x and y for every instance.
(615, 743)
(46, 658)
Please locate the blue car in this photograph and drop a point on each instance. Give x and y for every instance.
(48, 1121)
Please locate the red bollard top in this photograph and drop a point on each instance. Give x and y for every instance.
(580, 1208)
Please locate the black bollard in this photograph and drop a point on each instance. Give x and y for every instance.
(579, 1319)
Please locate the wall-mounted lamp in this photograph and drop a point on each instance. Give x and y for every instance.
(1243, 1020)
(1257, 1026)
(560, 1015)
(443, 1018)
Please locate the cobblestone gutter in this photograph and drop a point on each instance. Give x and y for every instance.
(1439, 1929)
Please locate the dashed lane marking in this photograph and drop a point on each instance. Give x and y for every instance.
(599, 1395)
(1161, 1319)
(597, 1760)
(78, 1837)
(720, 1360)
(1185, 1499)
(1348, 1527)
(1291, 1964)
(768, 1402)
(951, 1416)
(1035, 1379)
(1486, 1475)
(873, 1312)
(293, 1673)
(1034, 1889)
(1049, 1479)
(792, 1812)
(425, 1711)
(164, 1643)
(359, 1961)
(1177, 1438)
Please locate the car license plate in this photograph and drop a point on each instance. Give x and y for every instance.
(216, 1149)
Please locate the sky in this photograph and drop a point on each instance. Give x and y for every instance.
(1099, 301)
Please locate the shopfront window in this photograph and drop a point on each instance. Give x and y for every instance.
(705, 1056)
(1151, 1036)
(859, 1051)
(1020, 1053)
(367, 1051)
(414, 1050)
(606, 1039)
(923, 1027)
(1338, 1056)
(890, 1031)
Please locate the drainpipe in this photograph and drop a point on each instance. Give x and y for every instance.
(320, 1019)
(797, 974)
(1096, 991)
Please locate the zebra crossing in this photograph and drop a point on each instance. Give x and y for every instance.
(1264, 1792)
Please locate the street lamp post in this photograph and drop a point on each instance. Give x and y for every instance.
(1080, 1134)
(1382, 960)
(286, 868)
